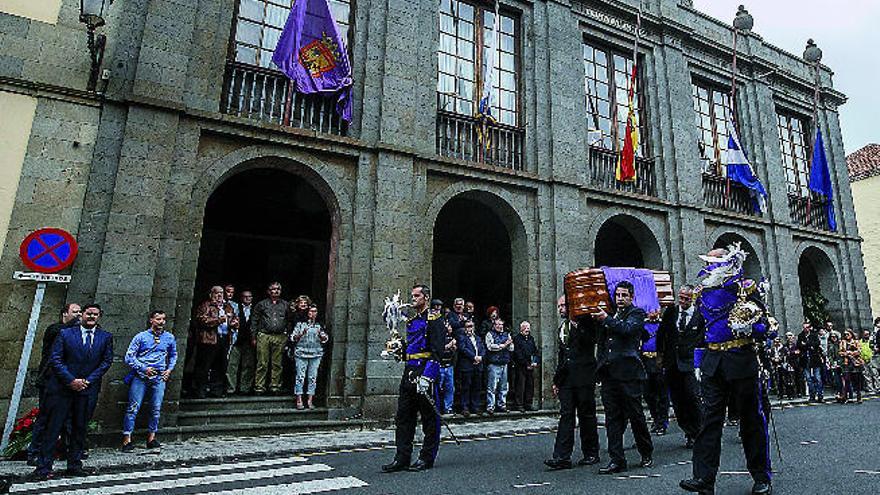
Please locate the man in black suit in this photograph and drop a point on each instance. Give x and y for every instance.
(575, 384)
(680, 331)
(81, 355)
(621, 373)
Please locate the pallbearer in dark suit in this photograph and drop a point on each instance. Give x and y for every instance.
(575, 384)
(80, 357)
(681, 329)
(621, 373)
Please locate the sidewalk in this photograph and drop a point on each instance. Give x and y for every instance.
(225, 449)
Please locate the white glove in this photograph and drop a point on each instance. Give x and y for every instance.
(423, 385)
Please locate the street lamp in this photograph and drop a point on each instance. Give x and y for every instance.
(91, 13)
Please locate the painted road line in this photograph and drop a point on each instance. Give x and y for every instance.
(532, 485)
(735, 473)
(638, 477)
(810, 442)
(159, 484)
(298, 488)
(210, 468)
(862, 471)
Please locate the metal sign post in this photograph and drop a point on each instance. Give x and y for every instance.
(23, 364)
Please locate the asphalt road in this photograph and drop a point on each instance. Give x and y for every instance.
(827, 449)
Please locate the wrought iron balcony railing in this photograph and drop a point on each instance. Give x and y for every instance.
(603, 168)
(813, 215)
(735, 198)
(266, 95)
(459, 136)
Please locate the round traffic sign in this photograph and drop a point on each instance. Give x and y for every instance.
(48, 250)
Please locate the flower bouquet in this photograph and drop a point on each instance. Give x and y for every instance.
(21, 435)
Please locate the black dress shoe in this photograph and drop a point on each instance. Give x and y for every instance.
(37, 476)
(421, 465)
(81, 471)
(395, 466)
(646, 462)
(762, 488)
(697, 485)
(612, 468)
(589, 460)
(557, 464)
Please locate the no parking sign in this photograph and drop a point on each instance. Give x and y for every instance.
(48, 250)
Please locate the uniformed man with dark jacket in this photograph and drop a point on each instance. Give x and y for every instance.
(681, 329)
(621, 373)
(574, 383)
(425, 341)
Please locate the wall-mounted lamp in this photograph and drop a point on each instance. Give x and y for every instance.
(91, 13)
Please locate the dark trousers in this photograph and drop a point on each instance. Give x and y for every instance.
(207, 356)
(658, 399)
(411, 404)
(623, 403)
(524, 387)
(470, 384)
(219, 365)
(747, 394)
(682, 387)
(58, 407)
(580, 402)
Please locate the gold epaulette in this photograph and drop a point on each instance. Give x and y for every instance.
(433, 316)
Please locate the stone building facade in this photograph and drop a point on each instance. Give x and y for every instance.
(193, 151)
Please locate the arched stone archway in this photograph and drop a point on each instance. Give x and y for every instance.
(270, 218)
(819, 286)
(480, 253)
(752, 268)
(624, 240)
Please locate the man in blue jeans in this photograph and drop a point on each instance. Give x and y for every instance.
(151, 356)
(446, 379)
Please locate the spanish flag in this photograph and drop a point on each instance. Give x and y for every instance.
(626, 169)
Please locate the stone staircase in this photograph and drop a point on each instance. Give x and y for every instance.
(244, 416)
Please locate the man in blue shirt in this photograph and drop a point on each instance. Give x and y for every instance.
(151, 356)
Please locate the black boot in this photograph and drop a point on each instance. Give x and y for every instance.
(395, 466)
(697, 485)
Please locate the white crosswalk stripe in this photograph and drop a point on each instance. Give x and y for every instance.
(215, 479)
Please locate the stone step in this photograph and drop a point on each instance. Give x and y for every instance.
(247, 403)
(262, 428)
(223, 416)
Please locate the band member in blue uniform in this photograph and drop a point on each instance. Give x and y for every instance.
(655, 392)
(425, 339)
(735, 320)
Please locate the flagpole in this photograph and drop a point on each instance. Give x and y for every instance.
(743, 21)
(814, 55)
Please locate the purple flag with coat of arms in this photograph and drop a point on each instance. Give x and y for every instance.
(313, 55)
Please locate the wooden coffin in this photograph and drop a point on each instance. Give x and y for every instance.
(586, 291)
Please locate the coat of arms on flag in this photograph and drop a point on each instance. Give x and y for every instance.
(319, 56)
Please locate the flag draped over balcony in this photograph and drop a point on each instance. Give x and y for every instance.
(820, 178)
(739, 170)
(626, 162)
(313, 55)
(484, 109)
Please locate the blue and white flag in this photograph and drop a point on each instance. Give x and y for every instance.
(485, 108)
(740, 170)
(820, 179)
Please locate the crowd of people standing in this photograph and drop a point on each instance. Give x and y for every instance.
(248, 348)
(483, 360)
(806, 364)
